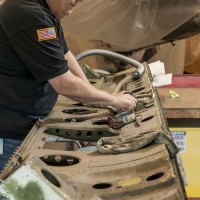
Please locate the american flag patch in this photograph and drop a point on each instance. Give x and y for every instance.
(46, 34)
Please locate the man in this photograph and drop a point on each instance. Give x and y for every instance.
(36, 65)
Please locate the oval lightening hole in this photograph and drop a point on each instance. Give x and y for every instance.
(77, 104)
(138, 84)
(138, 89)
(100, 122)
(74, 120)
(100, 186)
(50, 178)
(147, 119)
(78, 111)
(155, 176)
(59, 160)
(92, 82)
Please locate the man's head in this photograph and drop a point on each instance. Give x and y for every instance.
(60, 8)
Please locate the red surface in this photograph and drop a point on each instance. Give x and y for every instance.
(184, 81)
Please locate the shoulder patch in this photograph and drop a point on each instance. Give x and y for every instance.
(46, 34)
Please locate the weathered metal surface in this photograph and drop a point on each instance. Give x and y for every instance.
(74, 169)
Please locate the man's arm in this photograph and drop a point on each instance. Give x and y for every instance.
(75, 67)
(77, 89)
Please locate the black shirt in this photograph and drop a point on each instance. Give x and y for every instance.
(32, 49)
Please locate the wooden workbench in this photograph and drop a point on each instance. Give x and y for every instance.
(187, 105)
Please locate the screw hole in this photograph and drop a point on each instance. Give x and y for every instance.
(89, 134)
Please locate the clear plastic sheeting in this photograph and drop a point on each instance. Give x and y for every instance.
(1, 1)
(192, 55)
(129, 24)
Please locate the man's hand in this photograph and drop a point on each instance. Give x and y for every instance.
(124, 102)
(77, 89)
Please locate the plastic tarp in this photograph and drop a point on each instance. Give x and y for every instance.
(129, 24)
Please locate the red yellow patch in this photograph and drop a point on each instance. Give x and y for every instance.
(46, 34)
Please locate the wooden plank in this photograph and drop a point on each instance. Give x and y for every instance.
(187, 105)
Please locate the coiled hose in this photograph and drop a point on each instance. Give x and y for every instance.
(136, 75)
